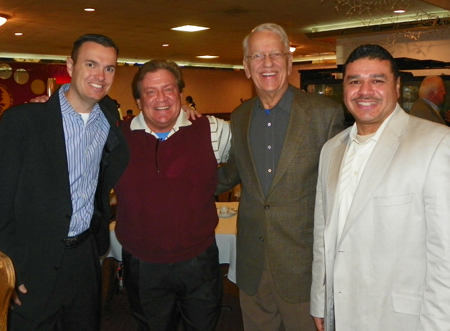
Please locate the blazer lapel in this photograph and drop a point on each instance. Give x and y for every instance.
(333, 176)
(54, 140)
(377, 166)
(296, 130)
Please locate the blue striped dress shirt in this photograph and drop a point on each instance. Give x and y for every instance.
(84, 146)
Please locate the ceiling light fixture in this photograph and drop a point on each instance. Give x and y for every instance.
(189, 28)
(399, 11)
(207, 56)
(89, 9)
(165, 45)
(292, 49)
(18, 34)
(4, 18)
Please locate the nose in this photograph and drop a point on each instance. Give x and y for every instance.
(100, 75)
(365, 88)
(268, 61)
(160, 96)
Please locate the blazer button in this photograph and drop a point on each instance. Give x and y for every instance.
(266, 207)
(261, 238)
(55, 268)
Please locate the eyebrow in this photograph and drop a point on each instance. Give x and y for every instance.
(371, 76)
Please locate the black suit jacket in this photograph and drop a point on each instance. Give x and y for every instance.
(35, 200)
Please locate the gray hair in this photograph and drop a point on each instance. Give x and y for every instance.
(272, 27)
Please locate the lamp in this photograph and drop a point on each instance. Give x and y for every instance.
(4, 18)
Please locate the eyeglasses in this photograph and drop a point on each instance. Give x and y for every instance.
(259, 57)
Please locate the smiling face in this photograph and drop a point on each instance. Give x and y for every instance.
(370, 92)
(160, 100)
(270, 76)
(92, 75)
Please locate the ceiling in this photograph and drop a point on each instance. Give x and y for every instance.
(141, 27)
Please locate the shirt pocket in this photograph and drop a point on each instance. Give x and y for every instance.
(406, 303)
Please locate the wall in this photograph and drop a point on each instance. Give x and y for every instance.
(14, 93)
(213, 90)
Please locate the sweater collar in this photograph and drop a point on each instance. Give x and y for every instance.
(138, 123)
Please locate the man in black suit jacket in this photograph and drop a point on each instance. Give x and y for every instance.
(58, 163)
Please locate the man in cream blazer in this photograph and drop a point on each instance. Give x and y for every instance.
(382, 228)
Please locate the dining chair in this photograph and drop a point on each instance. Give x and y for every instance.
(7, 282)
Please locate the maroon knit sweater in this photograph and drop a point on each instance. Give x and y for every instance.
(166, 211)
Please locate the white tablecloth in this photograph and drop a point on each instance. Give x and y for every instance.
(225, 238)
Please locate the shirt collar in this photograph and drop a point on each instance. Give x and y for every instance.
(138, 123)
(66, 107)
(285, 103)
(431, 104)
(378, 133)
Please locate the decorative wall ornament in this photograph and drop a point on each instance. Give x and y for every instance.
(382, 11)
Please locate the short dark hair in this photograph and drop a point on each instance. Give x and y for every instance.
(372, 52)
(96, 38)
(153, 66)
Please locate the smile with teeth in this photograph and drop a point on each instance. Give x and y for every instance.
(96, 85)
(162, 108)
(267, 74)
(366, 103)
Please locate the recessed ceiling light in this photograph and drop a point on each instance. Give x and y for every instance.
(292, 49)
(189, 28)
(18, 34)
(165, 45)
(89, 9)
(4, 18)
(207, 56)
(399, 11)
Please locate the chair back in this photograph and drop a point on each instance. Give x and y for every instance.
(7, 282)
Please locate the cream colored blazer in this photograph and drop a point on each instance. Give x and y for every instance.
(391, 268)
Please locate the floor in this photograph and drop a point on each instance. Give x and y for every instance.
(116, 315)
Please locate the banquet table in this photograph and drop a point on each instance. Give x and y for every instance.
(225, 238)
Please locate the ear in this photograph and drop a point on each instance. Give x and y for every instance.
(138, 103)
(247, 69)
(69, 65)
(289, 68)
(397, 87)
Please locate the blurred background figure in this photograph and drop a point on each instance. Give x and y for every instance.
(431, 95)
(190, 102)
(129, 115)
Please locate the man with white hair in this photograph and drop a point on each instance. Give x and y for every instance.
(277, 137)
(431, 95)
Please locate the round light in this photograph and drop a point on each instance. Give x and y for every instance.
(3, 20)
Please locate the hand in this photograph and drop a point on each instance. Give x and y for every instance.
(191, 114)
(40, 99)
(15, 298)
(319, 322)
(447, 116)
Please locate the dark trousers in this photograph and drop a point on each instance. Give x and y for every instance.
(74, 303)
(160, 293)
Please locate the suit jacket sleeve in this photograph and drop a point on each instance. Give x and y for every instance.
(436, 296)
(318, 267)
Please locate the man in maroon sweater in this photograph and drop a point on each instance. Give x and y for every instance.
(166, 212)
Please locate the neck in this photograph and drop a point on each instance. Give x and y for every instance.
(271, 99)
(77, 104)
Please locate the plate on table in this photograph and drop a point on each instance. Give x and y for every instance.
(230, 213)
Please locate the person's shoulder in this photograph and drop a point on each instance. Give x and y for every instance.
(25, 111)
(244, 108)
(315, 98)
